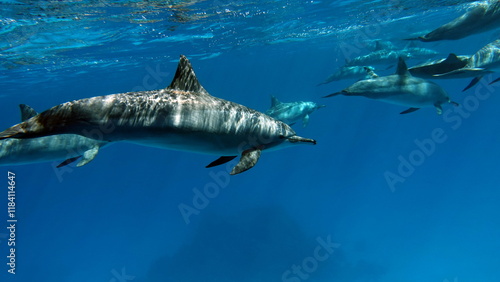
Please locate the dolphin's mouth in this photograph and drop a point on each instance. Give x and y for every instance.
(298, 139)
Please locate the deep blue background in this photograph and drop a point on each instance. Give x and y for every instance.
(120, 212)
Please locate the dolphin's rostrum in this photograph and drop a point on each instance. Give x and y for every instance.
(182, 116)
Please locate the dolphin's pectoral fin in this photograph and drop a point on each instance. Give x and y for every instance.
(494, 81)
(410, 110)
(248, 159)
(221, 160)
(88, 156)
(305, 121)
(439, 108)
(68, 161)
(473, 82)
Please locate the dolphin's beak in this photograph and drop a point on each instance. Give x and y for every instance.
(322, 106)
(297, 139)
(333, 94)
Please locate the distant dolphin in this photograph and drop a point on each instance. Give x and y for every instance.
(289, 113)
(484, 61)
(433, 68)
(385, 57)
(182, 117)
(69, 147)
(345, 72)
(483, 17)
(380, 57)
(401, 89)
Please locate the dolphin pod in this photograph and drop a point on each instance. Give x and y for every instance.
(183, 116)
(483, 17)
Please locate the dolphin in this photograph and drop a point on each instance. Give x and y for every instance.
(483, 17)
(183, 116)
(432, 69)
(384, 57)
(400, 88)
(346, 72)
(379, 57)
(289, 113)
(484, 61)
(68, 147)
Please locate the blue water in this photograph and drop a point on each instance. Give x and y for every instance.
(118, 218)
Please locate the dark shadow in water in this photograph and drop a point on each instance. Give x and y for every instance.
(255, 245)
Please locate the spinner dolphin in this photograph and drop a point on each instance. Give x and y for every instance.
(400, 88)
(68, 147)
(292, 112)
(483, 17)
(183, 116)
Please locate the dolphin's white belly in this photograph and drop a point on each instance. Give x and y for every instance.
(196, 142)
(409, 100)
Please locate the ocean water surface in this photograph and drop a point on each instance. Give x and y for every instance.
(381, 197)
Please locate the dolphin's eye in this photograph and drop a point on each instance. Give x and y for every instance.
(282, 137)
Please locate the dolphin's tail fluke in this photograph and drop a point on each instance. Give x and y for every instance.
(13, 132)
(333, 94)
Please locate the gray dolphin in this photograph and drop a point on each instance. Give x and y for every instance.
(401, 89)
(289, 113)
(432, 69)
(484, 61)
(347, 72)
(181, 117)
(483, 17)
(384, 57)
(68, 147)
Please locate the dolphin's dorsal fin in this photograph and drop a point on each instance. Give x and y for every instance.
(402, 68)
(274, 101)
(27, 112)
(185, 78)
(452, 59)
(378, 45)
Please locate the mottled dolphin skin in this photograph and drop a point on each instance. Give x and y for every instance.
(484, 61)
(290, 113)
(401, 89)
(483, 17)
(346, 72)
(69, 147)
(432, 69)
(182, 116)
